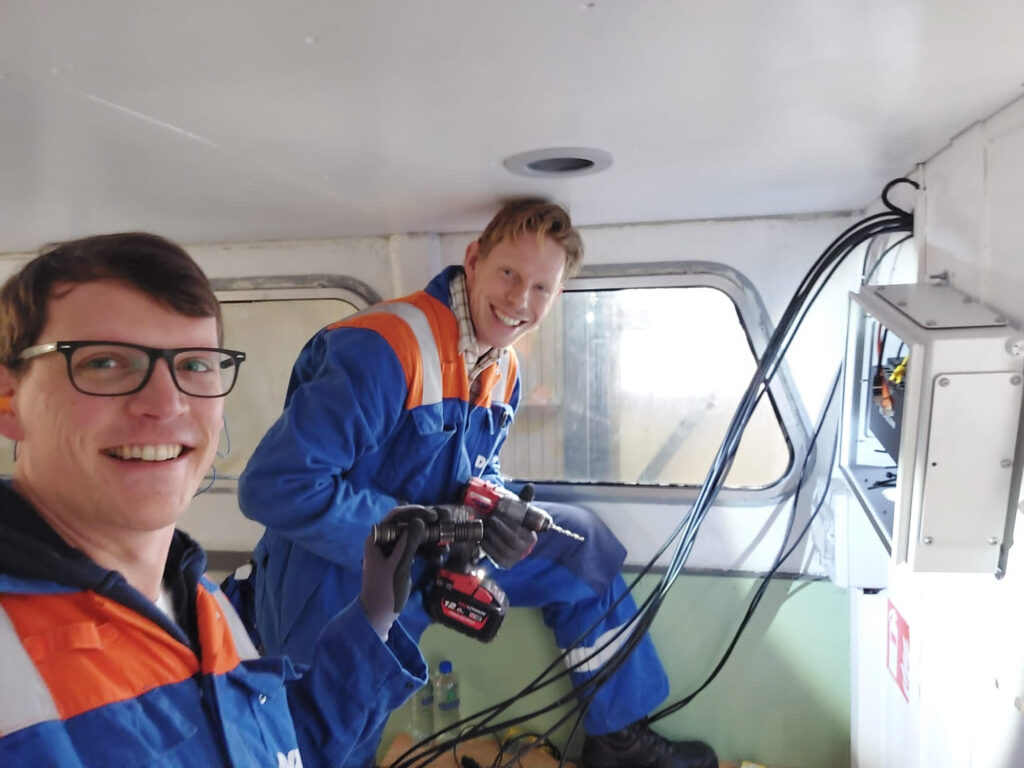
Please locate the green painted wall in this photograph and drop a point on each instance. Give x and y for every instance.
(782, 699)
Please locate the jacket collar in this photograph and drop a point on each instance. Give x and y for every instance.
(31, 550)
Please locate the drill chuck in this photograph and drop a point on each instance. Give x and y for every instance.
(440, 533)
(531, 517)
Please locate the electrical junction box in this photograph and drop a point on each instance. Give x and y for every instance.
(931, 427)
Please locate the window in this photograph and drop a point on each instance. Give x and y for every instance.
(271, 319)
(634, 381)
(271, 333)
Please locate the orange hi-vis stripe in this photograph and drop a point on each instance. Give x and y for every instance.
(426, 344)
(400, 335)
(91, 651)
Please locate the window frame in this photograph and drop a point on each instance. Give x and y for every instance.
(284, 287)
(260, 288)
(758, 325)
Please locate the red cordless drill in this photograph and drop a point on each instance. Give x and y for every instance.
(462, 596)
(491, 499)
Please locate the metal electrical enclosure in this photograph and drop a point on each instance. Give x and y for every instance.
(931, 436)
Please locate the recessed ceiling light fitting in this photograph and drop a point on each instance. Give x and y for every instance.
(559, 162)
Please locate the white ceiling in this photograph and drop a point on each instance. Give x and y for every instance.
(224, 120)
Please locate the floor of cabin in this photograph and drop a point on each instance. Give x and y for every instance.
(484, 751)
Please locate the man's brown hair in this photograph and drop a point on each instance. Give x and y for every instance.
(535, 217)
(149, 263)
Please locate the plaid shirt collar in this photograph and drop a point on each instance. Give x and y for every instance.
(468, 346)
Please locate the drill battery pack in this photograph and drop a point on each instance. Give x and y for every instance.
(468, 602)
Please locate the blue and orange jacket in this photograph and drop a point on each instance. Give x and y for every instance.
(378, 412)
(94, 674)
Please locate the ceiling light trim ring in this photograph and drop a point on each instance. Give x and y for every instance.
(559, 162)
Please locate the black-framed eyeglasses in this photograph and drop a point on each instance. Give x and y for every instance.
(110, 368)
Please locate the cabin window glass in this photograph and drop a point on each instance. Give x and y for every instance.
(637, 386)
(271, 333)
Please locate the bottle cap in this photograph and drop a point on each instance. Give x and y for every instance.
(445, 667)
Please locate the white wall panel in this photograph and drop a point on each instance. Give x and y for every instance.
(966, 630)
(954, 183)
(1003, 278)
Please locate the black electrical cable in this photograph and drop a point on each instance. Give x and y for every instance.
(755, 601)
(537, 684)
(870, 227)
(423, 757)
(784, 553)
(826, 267)
(760, 593)
(842, 251)
(758, 385)
(873, 226)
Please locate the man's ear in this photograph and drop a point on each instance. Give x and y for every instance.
(10, 424)
(472, 257)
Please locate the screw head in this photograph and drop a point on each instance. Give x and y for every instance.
(926, 540)
(993, 540)
(943, 382)
(1015, 380)
(1005, 463)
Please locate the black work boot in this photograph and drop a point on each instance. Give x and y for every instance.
(637, 746)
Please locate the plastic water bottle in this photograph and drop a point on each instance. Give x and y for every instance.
(446, 698)
(421, 713)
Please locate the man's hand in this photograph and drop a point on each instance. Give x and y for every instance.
(507, 543)
(386, 575)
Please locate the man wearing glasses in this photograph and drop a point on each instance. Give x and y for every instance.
(114, 647)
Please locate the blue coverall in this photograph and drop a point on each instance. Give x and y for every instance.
(94, 674)
(379, 413)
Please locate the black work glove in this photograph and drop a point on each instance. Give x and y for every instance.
(386, 569)
(506, 543)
